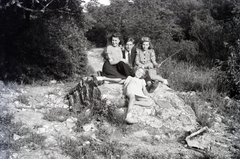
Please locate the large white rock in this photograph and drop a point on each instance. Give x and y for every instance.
(169, 114)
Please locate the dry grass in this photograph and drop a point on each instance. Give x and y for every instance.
(184, 76)
(57, 114)
(88, 148)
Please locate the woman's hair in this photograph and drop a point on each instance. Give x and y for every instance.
(116, 35)
(140, 68)
(146, 39)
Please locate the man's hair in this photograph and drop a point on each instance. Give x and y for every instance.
(130, 40)
(118, 35)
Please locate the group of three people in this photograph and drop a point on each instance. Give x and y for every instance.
(135, 68)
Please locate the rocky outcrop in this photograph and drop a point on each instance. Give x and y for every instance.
(169, 114)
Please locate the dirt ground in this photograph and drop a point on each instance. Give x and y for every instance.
(40, 133)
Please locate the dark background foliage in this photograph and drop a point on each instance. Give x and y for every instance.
(49, 45)
(47, 39)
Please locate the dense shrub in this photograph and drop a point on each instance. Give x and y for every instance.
(228, 78)
(51, 46)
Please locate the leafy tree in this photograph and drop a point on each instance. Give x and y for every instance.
(136, 19)
(50, 46)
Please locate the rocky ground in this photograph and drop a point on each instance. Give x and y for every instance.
(36, 124)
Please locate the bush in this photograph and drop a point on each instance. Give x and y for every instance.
(52, 46)
(228, 78)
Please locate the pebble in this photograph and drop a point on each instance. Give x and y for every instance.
(13, 156)
(16, 137)
(53, 82)
(86, 143)
(4, 154)
(70, 124)
(88, 127)
(157, 137)
(41, 130)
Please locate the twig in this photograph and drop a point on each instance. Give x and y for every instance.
(46, 6)
(196, 133)
(168, 58)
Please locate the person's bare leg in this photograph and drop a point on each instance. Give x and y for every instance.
(153, 75)
(132, 101)
(145, 102)
(115, 80)
(159, 78)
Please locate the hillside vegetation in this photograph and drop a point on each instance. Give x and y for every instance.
(46, 40)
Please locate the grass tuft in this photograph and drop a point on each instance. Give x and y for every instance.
(57, 114)
(31, 141)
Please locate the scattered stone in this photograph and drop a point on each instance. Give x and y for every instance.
(50, 141)
(16, 137)
(89, 127)
(53, 82)
(41, 130)
(13, 156)
(86, 143)
(70, 123)
(52, 97)
(16, 103)
(157, 137)
(218, 118)
(5, 136)
(4, 154)
(57, 128)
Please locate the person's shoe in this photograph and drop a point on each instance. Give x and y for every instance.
(153, 86)
(165, 82)
(148, 86)
(130, 120)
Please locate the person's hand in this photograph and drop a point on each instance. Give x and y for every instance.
(165, 82)
(124, 60)
(148, 67)
(155, 65)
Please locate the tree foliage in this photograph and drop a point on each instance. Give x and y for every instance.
(199, 28)
(51, 45)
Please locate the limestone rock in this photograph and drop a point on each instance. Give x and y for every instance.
(170, 113)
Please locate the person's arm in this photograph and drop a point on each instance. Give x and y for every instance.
(145, 92)
(153, 58)
(137, 60)
(112, 61)
(124, 60)
(124, 57)
(148, 65)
